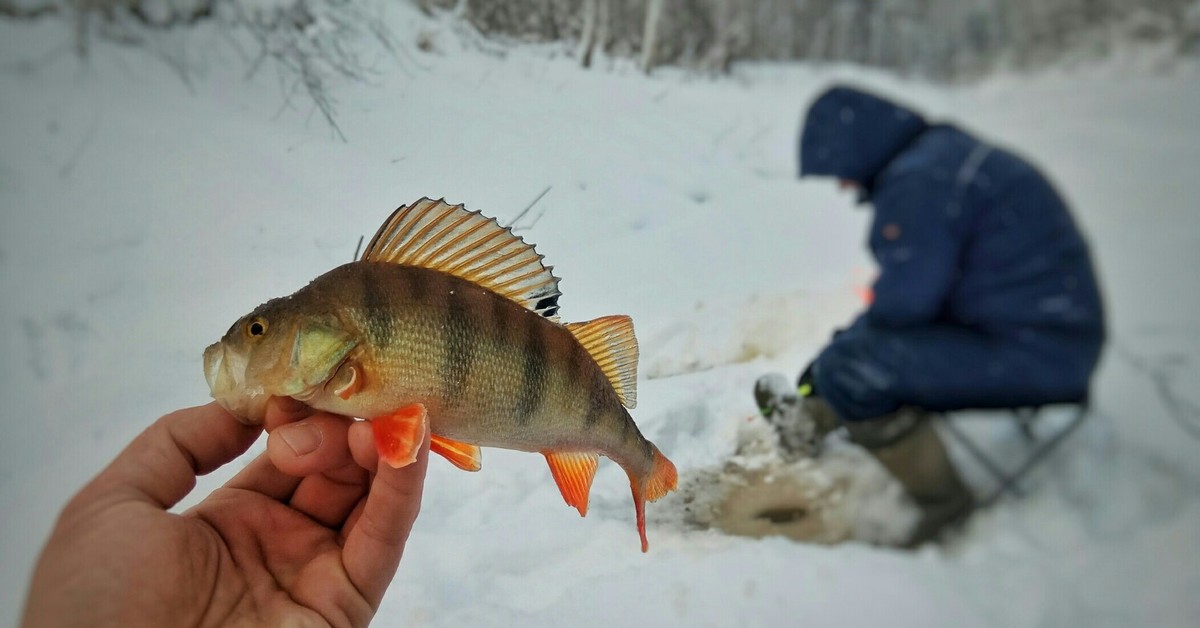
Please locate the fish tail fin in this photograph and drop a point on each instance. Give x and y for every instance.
(661, 480)
(663, 477)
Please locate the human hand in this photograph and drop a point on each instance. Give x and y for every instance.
(302, 538)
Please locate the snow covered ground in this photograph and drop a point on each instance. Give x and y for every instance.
(139, 217)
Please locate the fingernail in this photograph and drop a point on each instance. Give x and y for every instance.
(303, 438)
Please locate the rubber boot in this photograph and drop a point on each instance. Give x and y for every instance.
(909, 447)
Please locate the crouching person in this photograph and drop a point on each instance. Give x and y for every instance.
(985, 298)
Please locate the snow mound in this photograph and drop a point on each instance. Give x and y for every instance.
(841, 495)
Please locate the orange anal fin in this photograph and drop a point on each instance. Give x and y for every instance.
(662, 480)
(465, 456)
(573, 472)
(398, 434)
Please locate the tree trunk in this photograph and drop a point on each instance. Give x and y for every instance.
(587, 36)
(654, 9)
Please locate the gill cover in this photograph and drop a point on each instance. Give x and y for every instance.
(317, 351)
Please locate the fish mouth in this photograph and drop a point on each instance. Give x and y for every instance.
(225, 372)
(214, 362)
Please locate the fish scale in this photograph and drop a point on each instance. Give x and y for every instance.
(508, 350)
(450, 312)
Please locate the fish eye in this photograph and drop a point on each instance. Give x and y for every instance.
(256, 327)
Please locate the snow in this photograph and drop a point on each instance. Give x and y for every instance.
(140, 216)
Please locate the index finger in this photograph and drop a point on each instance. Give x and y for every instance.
(379, 529)
(160, 465)
(284, 410)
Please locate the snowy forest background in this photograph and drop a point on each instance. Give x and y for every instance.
(315, 44)
(165, 165)
(944, 39)
(938, 38)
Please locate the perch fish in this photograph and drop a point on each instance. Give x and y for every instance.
(449, 322)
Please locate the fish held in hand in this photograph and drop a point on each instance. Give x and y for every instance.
(449, 323)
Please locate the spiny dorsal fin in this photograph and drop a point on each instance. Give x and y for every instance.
(611, 342)
(471, 246)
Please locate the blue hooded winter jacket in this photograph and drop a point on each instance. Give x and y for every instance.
(964, 233)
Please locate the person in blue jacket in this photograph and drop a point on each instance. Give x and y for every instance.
(985, 298)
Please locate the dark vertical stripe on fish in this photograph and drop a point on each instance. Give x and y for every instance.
(460, 351)
(418, 284)
(581, 367)
(500, 315)
(582, 374)
(626, 422)
(374, 303)
(596, 398)
(533, 371)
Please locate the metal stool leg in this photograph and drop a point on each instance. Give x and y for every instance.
(986, 461)
(1008, 482)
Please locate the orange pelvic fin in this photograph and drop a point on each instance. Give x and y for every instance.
(398, 434)
(661, 480)
(573, 472)
(465, 456)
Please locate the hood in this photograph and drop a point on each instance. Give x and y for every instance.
(850, 134)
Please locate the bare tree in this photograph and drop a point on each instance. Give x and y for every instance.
(938, 38)
(308, 60)
(654, 11)
(587, 39)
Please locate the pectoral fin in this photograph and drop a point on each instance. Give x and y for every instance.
(398, 434)
(462, 455)
(346, 381)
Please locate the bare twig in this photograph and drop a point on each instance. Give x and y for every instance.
(35, 63)
(257, 63)
(724, 133)
(180, 68)
(1183, 411)
(13, 11)
(320, 97)
(515, 224)
(69, 165)
(288, 91)
(312, 43)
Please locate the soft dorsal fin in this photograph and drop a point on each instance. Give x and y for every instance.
(471, 246)
(611, 342)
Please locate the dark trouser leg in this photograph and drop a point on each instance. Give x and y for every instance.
(871, 372)
(880, 382)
